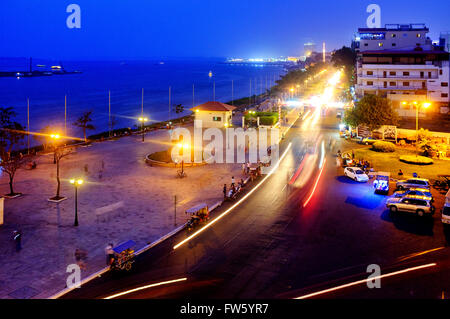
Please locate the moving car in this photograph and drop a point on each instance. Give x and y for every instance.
(410, 205)
(423, 193)
(367, 140)
(356, 174)
(413, 183)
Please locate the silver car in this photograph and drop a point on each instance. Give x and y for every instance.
(413, 183)
(408, 204)
(420, 193)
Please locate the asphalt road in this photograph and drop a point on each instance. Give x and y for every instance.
(271, 246)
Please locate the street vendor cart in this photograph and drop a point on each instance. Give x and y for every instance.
(196, 215)
(123, 256)
(381, 182)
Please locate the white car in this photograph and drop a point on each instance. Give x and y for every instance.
(356, 173)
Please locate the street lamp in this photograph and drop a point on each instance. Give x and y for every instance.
(142, 120)
(183, 146)
(76, 183)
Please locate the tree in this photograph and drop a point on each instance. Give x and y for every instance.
(179, 108)
(344, 57)
(372, 111)
(11, 136)
(84, 122)
(59, 153)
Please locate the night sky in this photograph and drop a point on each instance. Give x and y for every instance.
(120, 29)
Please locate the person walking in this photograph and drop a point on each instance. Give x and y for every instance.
(248, 168)
(224, 191)
(109, 254)
(243, 168)
(232, 181)
(17, 236)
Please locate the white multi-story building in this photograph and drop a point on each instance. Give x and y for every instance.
(409, 72)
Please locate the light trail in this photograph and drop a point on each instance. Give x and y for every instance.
(321, 292)
(235, 205)
(420, 253)
(299, 170)
(315, 185)
(145, 287)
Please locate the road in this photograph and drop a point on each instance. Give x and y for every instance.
(271, 246)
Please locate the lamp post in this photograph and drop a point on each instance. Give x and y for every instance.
(55, 138)
(143, 120)
(183, 146)
(76, 183)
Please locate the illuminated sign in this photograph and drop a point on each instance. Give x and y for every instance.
(372, 36)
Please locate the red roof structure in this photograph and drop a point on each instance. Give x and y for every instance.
(214, 107)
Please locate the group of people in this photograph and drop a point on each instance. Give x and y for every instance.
(234, 189)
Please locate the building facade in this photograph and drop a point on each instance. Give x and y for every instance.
(399, 62)
(214, 114)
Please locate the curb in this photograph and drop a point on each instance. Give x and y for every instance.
(140, 251)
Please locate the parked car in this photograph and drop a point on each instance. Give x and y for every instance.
(413, 183)
(356, 174)
(410, 205)
(367, 140)
(422, 193)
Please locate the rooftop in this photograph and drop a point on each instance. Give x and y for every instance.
(214, 106)
(397, 27)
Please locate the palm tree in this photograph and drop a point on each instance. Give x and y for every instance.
(84, 123)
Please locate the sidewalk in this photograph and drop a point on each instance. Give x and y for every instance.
(49, 238)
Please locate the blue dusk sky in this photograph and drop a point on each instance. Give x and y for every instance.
(136, 29)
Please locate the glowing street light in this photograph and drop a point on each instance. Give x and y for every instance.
(182, 147)
(143, 120)
(76, 183)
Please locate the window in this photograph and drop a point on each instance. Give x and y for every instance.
(369, 82)
(380, 44)
(444, 94)
(394, 44)
(444, 84)
(405, 83)
(392, 73)
(369, 72)
(366, 44)
(393, 35)
(217, 118)
(392, 84)
(405, 73)
(418, 35)
(440, 72)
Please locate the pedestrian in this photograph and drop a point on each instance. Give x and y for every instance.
(243, 168)
(232, 181)
(109, 254)
(353, 154)
(79, 257)
(248, 168)
(224, 191)
(17, 236)
(400, 172)
(86, 169)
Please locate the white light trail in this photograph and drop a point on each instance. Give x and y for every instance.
(321, 292)
(235, 205)
(145, 287)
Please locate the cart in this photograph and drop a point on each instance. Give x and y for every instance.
(381, 183)
(196, 215)
(123, 256)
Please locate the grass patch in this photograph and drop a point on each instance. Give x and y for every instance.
(418, 160)
(390, 162)
(163, 156)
